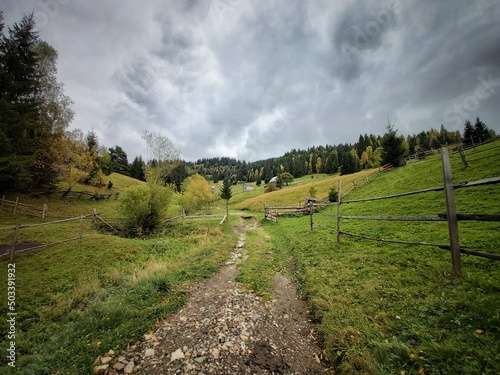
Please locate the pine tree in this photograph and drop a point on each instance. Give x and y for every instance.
(119, 161)
(468, 132)
(226, 194)
(393, 150)
(137, 168)
(33, 109)
(481, 131)
(19, 103)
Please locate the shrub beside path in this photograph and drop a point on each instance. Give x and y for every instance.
(224, 329)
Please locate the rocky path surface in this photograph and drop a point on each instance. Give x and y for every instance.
(224, 329)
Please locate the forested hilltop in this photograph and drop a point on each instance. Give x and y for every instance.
(345, 158)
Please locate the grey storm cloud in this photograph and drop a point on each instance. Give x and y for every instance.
(253, 79)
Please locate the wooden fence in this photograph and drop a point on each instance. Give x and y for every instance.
(273, 212)
(83, 194)
(451, 216)
(22, 208)
(183, 217)
(16, 229)
(461, 150)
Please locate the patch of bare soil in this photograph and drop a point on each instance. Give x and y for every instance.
(4, 249)
(224, 329)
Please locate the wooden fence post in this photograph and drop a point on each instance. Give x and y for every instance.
(16, 234)
(183, 216)
(94, 215)
(338, 214)
(452, 213)
(462, 155)
(44, 212)
(311, 210)
(81, 230)
(15, 206)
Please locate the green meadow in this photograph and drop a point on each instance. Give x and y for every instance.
(378, 308)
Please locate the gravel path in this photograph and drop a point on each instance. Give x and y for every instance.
(224, 329)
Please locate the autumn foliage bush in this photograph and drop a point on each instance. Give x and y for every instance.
(143, 207)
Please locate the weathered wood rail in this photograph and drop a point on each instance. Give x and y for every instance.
(16, 229)
(22, 208)
(451, 216)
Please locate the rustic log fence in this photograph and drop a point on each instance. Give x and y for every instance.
(272, 213)
(451, 216)
(183, 217)
(22, 208)
(84, 194)
(17, 228)
(461, 151)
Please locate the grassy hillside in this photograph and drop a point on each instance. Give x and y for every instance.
(76, 301)
(295, 194)
(396, 309)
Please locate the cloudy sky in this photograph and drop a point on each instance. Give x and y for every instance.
(253, 79)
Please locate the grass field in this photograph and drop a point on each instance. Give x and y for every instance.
(77, 301)
(379, 308)
(294, 195)
(396, 309)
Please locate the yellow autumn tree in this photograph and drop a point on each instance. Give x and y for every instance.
(197, 193)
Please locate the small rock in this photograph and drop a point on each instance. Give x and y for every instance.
(255, 317)
(149, 353)
(200, 359)
(216, 353)
(118, 366)
(105, 360)
(111, 353)
(183, 319)
(129, 368)
(148, 337)
(101, 370)
(178, 354)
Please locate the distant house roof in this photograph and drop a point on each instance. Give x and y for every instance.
(274, 179)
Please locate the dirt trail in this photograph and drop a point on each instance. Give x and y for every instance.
(224, 329)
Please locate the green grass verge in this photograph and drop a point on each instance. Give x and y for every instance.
(76, 302)
(390, 309)
(259, 266)
(396, 309)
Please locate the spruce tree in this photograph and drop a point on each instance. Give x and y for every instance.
(468, 132)
(19, 103)
(393, 150)
(481, 131)
(226, 194)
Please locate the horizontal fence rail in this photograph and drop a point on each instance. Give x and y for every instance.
(22, 208)
(451, 216)
(184, 217)
(18, 227)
